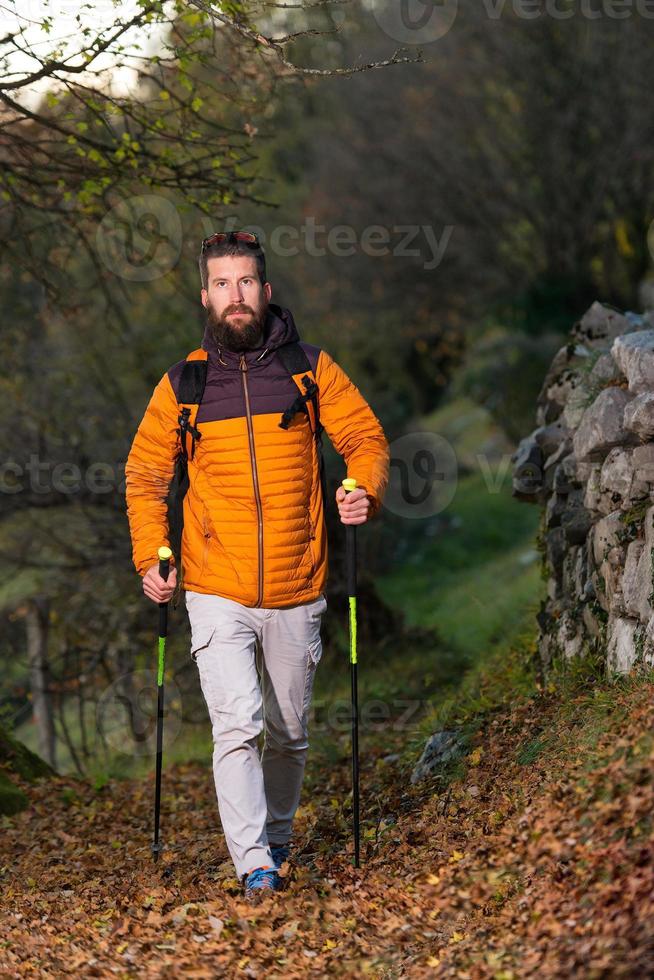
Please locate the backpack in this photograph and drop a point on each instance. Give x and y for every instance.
(191, 390)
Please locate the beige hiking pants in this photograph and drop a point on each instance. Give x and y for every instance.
(256, 668)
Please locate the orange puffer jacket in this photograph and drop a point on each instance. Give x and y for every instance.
(254, 528)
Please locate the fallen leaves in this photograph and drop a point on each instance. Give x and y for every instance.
(539, 869)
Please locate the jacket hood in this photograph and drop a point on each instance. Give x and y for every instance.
(279, 329)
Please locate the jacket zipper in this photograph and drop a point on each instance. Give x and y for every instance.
(255, 477)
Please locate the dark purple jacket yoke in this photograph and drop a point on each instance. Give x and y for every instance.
(270, 387)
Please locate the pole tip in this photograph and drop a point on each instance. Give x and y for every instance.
(165, 554)
(350, 483)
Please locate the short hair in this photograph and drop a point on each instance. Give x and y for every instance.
(232, 246)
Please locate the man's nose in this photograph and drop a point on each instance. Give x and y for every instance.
(236, 293)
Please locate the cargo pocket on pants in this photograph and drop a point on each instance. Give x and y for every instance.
(315, 651)
(314, 654)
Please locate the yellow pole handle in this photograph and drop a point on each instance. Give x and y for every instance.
(350, 483)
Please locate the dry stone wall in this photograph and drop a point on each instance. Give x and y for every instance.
(590, 465)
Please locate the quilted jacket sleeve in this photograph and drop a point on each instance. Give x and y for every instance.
(148, 471)
(354, 430)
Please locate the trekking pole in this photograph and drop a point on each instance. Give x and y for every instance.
(165, 554)
(351, 565)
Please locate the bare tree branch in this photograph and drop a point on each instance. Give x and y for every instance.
(277, 45)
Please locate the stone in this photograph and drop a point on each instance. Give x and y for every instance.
(565, 475)
(570, 638)
(617, 474)
(639, 416)
(599, 585)
(554, 509)
(593, 493)
(606, 504)
(591, 622)
(639, 491)
(440, 748)
(569, 574)
(637, 581)
(555, 550)
(576, 523)
(648, 527)
(595, 481)
(621, 645)
(616, 556)
(581, 572)
(605, 535)
(563, 365)
(599, 326)
(601, 429)
(634, 355)
(648, 645)
(604, 371)
(552, 465)
(611, 577)
(527, 478)
(584, 471)
(563, 389)
(574, 412)
(546, 413)
(640, 321)
(550, 438)
(643, 463)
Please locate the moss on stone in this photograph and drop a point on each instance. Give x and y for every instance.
(633, 518)
(12, 799)
(17, 758)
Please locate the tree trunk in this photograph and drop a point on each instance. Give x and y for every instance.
(37, 616)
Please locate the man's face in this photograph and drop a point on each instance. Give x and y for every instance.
(236, 302)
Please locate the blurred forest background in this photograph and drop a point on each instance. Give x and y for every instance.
(507, 167)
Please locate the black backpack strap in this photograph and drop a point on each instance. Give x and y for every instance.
(192, 382)
(295, 360)
(191, 389)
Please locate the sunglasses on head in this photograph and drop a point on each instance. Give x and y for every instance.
(231, 236)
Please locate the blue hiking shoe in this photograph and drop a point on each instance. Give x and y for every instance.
(280, 853)
(260, 882)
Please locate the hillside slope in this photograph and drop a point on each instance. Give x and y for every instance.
(532, 855)
(534, 858)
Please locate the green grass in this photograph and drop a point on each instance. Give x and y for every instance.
(469, 428)
(530, 751)
(477, 582)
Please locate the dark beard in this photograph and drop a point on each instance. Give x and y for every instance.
(236, 338)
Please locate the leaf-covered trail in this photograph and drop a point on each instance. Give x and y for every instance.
(539, 861)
